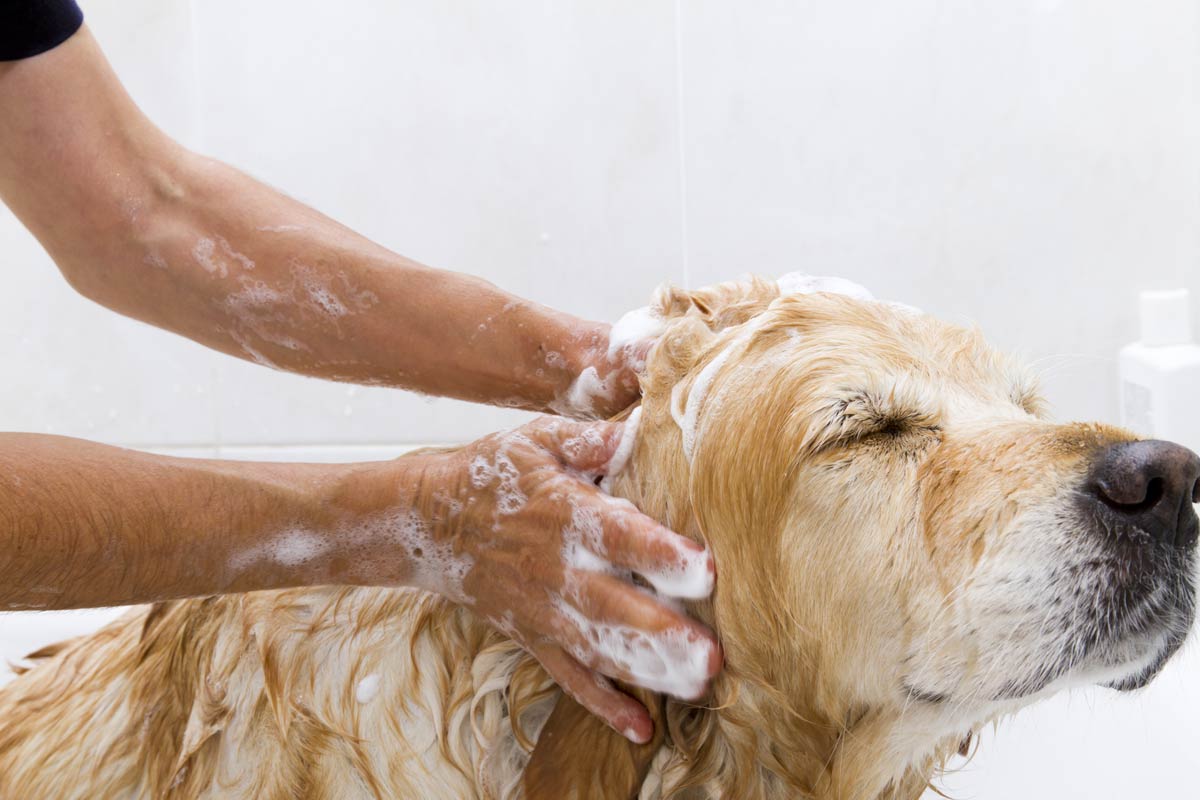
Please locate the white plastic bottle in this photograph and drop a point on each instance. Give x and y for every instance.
(1160, 375)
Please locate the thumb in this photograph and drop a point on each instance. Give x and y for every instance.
(584, 446)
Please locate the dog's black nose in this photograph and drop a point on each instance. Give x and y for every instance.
(1153, 485)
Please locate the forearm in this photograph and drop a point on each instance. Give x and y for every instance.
(232, 264)
(83, 524)
(139, 224)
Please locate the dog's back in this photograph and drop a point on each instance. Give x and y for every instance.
(325, 693)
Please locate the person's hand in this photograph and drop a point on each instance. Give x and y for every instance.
(609, 361)
(521, 534)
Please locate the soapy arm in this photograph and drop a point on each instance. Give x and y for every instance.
(84, 524)
(145, 227)
(512, 527)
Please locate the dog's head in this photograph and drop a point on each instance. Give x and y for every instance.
(906, 545)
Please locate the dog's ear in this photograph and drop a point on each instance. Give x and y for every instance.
(578, 757)
(718, 306)
(693, 318)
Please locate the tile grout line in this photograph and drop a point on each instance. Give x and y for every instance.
(679, 115)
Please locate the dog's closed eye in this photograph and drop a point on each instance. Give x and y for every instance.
(893, 414)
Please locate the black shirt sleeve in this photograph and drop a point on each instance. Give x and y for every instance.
(29, 27)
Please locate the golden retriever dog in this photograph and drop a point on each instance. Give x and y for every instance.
(907, 549)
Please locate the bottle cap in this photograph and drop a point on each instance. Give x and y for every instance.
(1166, 317)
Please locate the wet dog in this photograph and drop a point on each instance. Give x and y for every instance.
(907, 548)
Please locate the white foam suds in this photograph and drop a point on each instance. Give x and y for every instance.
(269, 312)
(244, 260)
(298, 547)
(674, 661)
(687, 413)
(583, 548)
(579, 557)
(583, 541)
(686, 410)
(291, 548)
(374, 544)
(367, 689)
(280, 228)
(634, 327)
(800, 283)
(254, 293)
(501, 471)
(326, 300)
(691, 579)
(480, 471)
(258, 309)
(576, 448)
(204, 253)
(319, 293)
(361, 299)
(432, 564)
(509, 497)
(582, 396)
(624, 451)
(583, 393)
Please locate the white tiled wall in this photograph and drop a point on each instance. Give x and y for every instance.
(531, 143)
(1026, 164)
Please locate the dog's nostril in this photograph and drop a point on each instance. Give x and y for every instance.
(1154, 493)
(1132, 497)
(1150, 483)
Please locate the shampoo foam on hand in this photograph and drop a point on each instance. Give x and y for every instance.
(1160, 375)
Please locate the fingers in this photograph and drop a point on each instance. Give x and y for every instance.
(602, 621)
(674, 565)
(583, 446)
(621, 712)
(601, 448)
(609, 599)
(627, 634)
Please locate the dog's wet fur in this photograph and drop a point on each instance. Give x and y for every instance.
(907, 549)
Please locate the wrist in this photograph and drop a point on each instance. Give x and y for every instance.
(384, 521)
(283, 533)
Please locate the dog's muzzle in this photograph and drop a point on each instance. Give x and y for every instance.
(1139, 499)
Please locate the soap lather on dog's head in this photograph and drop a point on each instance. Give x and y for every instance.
(919, 531)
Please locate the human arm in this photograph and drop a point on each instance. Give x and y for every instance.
(510, 526)
(139, 224)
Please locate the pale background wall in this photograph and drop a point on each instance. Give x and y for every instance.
(1025, 164)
